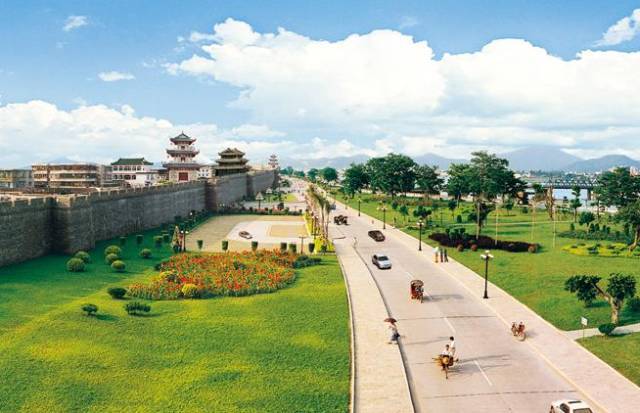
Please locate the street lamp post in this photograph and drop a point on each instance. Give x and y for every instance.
(359, 200)
(383, 208)
(420, 224)
(486, 257)
(184, 233)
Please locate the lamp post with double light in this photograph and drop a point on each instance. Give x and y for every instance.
(486, 257)
(383, 208)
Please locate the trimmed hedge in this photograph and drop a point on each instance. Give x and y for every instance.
(145, 253)
(113, 249)
(482, 242)
(118, 266)
(75, 265)
(84, 256)
(117, 292)
(110, 258)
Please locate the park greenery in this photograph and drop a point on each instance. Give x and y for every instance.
(236, 351)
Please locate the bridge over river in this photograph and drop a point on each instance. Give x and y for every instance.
(564, 182)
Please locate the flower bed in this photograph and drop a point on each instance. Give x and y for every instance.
(216, 274)
(602, 250)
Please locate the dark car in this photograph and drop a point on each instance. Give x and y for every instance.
(376, 235)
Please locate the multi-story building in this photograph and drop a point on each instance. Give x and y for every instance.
(231, 161)
(134, 172)
(205, 172)
(273, 162)
(70, 176)
(182, 166)
(16, 178)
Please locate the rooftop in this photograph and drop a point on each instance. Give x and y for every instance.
(131, 161)
(182, 138)
(230, 151)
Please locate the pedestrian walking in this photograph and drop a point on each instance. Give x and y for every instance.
(393, 330)
(452, 346)
(436, 253)
(441, 254)
(446, 256)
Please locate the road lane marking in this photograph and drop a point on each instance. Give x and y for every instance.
(446, 320)
(483, 373)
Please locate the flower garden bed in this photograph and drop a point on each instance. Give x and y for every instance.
(219, 274)
(616, 249)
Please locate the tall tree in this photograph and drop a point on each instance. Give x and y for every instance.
(329, 174)
(458, 183)
(355, 178)
(392, 174)
(619, 288)
(622, 189)
(312, 174)
(428, 180)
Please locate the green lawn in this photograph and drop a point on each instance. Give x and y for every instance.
(620, 352)
(285, 351)
(537, 280)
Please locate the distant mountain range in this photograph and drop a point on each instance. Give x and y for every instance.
(601, 164)
(539, 158)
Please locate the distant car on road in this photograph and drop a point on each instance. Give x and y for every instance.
(570, 406)
(245, 234)
(376, 235)
(381, 261)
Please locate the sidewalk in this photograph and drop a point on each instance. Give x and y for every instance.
(608, 390)
(379, 378)
(590, 332)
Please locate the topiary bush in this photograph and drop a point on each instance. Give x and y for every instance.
(225, 245)
(89, 309)
(75, 265)
(254, 246)
(606, 328)
(474, 247)
(145, 253)
(123, 240)
(312, 247)
(118, 266)
(84, 256)
(283, 247)
(117, 292)
(110, 258)
(139, 239)
(190, 291)
(633, 304)
(136, 308)
(293, 248)
(157, 241)
(113, 249)
(200, 244)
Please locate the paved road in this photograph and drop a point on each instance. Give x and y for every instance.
(495, 374)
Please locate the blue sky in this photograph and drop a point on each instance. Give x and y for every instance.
(41, 61)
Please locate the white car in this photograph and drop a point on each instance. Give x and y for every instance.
(570, 406)
(381, 261)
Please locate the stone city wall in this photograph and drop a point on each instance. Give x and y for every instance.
(68, 223)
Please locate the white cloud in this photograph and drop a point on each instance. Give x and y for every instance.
(407, 22)
(75, 22)
(197, 37)
(38, 131)
(252, 131)
(386, 85)
(624, 30)
(114, 76)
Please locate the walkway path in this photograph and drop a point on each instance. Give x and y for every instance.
(590, 332)
(497, 373)
(379, 377)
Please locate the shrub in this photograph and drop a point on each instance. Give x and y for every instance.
(75, 265)
(89, 309)
(139, 239)
(117, 292)
(459, 219)
(572, 227)
(190, 291)
(118, 266)
(84, 256)
(305, 261)
(606, 328)
(525, 210)
(323, 248)
(633, 304)
(460, 247)
(113, 249)
(474, 247)
(109, 259)
(456, 238)
(157, 241)
(123, 240)
(533, 248)
(200, 244)
(254, 246)
(166, 238)
(136, 308)
(312, 247)
(293, 247)
(283, 247)
(145, 253)
(225, 245)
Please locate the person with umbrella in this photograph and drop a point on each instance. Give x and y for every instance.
(393, 328)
